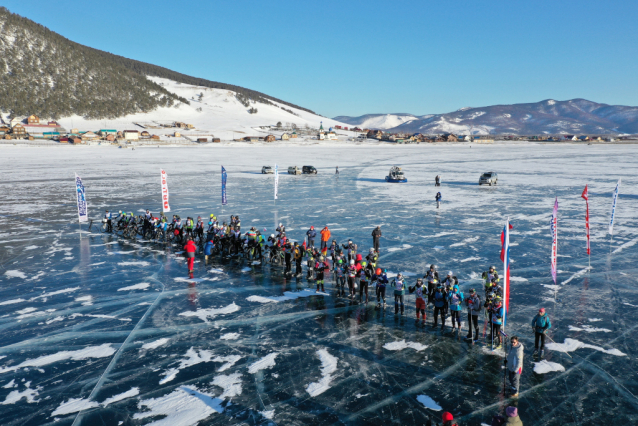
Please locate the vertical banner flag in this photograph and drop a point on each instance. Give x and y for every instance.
(586, 197)
(613, 209)
(165, 206)
(276, 181)
(224, 199)
(83, 215)
(505, 257)
(553, 226)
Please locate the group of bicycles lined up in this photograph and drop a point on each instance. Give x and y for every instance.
(223, 239)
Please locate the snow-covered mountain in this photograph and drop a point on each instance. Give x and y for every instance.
(218, 112)
(377, 121)
(546, 117)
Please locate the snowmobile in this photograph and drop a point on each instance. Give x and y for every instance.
(396, 175)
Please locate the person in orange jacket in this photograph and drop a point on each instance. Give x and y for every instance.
(325, 237)
(190, 248)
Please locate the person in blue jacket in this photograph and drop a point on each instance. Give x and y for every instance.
(455, 300)
(208, 249)
(540, 325)
(312, 234)
(439, 298)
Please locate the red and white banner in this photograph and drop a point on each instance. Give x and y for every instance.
(586, 197)
(165, 206)
(554, 229)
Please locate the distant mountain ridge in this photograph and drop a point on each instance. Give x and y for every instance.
(575, 116)
(45, 74)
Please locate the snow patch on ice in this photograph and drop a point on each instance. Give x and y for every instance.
(101, 351)
(403, 247)
(12, 301)
(469, 259)
(193, 358)
(288, 295)
(29, 393)
(266, 362)
(140, 286)
(626, 245)
(594, 319)
(399, 346)
(570, 345)
(576, 275)
(74, 405)
(231, 384)
(518, 279)
(589, 329)
(204, 314)
(128, 394)
(14, 273)
(268, 414)
(328, 367)
(156, 344)
(54, 293)
(140, 263)
(428, 402)
(186, 405)
(230, 336)
(545, 366)
(228, 360)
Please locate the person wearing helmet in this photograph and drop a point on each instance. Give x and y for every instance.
(333, 250)
(311, 234)
(382, 281)
(310, 263)
(281, 229)
(420, 294)
(372, 258)
(340, 277)
(497, 321)
(189, 251)
(364, 279)
(432, 277)
(488, 276)
(455, 300)
(474, 307)
(352, 274)
(440, 304)
(449, 281)
(107, 219)
(351, 249)
(288, 257)
(320, 267)
(376, 236)
(298, 257)
(487, 316)
(208, 249)
(399, 294)
(496, 288)
(199, 228)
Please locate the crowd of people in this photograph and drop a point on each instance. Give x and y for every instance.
(353, 276)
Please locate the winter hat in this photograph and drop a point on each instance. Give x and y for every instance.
(456, 287)
(511, 412)
(450, 273)
(447, 417)
(541, 311)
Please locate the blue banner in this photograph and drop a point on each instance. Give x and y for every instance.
(613, 209)
(83, 215)
(224, 199)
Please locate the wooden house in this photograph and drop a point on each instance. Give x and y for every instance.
(89, 136)
(270, 138)
(110, 138)
(294, 135)
(145, 135)
(452, 138)
(285, 137)
(216, 140)
(19, 132)
(131, 135)
(33, 119)
(75, 140)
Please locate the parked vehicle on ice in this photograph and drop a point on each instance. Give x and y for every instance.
(267, 170)
(489, 178)
(309, 170)
(294, 170)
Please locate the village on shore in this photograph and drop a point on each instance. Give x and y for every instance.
(34, 129)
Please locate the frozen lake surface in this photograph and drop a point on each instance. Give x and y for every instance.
(98, 329)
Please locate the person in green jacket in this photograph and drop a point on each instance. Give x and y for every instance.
(540, 325)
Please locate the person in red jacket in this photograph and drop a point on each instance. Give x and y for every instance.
(190, 248)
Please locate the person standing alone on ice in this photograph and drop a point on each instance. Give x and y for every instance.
(438, 199)
(376, 235)
(514, 364)
(325, 237)
(540, 325)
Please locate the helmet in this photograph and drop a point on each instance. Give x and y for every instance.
(450, 274)
(280, 225)
(252, 228)
(296, 243)
(399, 275)
(432, 266)
(472, 291)
(339, 261)
(210, 223)
(312, 227)
(352, 261)
(224, 223)
(364, 263)
(321, 258)
(199, 218)
(119, 212)
(349, 240)
(491, 295)
(492, 267)
(372, 250)
(378, 271)
(494, 280)
(272, 236)
(212, 215)
(498, 298)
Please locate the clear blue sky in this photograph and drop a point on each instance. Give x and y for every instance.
(357, 57)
